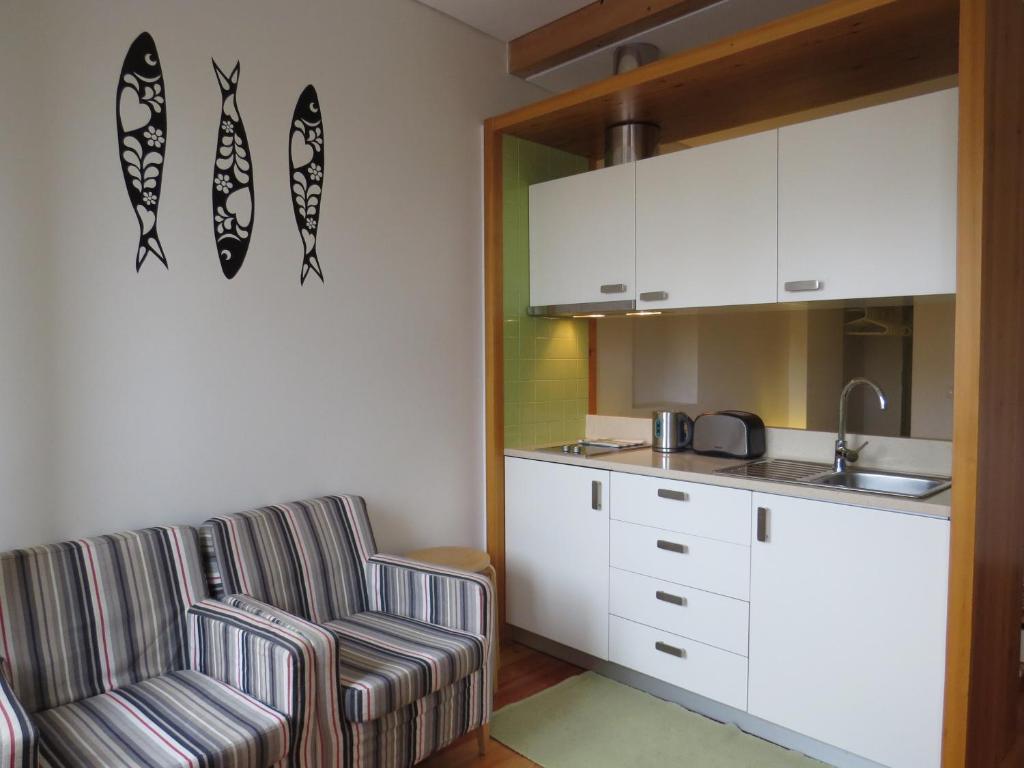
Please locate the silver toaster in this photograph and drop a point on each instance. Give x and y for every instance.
(735, 434)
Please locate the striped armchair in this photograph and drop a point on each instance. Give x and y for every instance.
(402, 647)
(111, 654)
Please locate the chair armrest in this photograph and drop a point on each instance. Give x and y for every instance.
(326, 650)
(19, 739)
(443, 596)
(262, 659)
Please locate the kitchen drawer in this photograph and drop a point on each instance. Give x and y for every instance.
(723, 622)
(703, 510)
(714, 566)
(707, 671)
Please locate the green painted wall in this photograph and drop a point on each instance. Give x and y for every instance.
(546, 371)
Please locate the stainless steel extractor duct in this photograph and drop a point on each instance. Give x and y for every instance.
(631, 140)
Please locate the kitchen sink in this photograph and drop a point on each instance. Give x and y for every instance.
(914, 486)
(862, 480)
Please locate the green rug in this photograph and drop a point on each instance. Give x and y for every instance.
(589, 721)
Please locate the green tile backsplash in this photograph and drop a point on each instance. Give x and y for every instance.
(545, 359)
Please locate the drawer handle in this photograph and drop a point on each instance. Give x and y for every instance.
(613, 288)
(665, 493)
(672, 546)
(595, 494)
(668, 597)
(654, 296)
(671, 650)
(796, 286)
(762, 525)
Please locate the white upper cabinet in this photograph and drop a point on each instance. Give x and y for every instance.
(848, 627)
(707, 225)
(867, 202)
(582, 238)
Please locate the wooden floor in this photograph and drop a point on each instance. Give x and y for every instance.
(523, 672)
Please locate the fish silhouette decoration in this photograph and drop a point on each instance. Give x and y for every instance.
(306, 169)
(233, 204)
(141, 140)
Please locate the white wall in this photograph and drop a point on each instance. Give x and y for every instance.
(26, 469)
(172, 395)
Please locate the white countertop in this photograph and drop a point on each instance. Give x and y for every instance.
(700, 469)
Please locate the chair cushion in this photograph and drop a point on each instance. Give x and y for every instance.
(85, 617)
(386, 662)
(180, 719)
(305, 557)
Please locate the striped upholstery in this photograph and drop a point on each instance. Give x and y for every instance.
(19, 739)
(268, 663)
(113, 655)
(306, 557)
(411, 734)
(388, 662)
(178, 719)
(403, 648)
(85, 617)
(430, 593)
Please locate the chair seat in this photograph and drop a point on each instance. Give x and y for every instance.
(178, 719)
(386, 662)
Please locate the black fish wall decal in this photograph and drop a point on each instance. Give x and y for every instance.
(306, 171)
(141, 140)
(233, 203)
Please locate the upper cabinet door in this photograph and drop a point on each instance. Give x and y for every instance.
(707, 225)
(582, 238)
(867, 202)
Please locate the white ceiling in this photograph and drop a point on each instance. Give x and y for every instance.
(506, 19)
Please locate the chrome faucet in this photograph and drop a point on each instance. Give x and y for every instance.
(845, 454)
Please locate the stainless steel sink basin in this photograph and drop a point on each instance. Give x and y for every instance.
(889, 483)
(821, 475)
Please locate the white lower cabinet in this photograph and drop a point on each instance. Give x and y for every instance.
(556, 552)
(848, 627)
(714, 566)
(830, 623)
(703, 616)
(680, 661)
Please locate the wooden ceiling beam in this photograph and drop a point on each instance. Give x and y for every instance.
(831, 53)
(592, 27)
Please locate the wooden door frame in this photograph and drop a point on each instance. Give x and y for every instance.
(984, 711)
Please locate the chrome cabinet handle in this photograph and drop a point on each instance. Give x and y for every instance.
(671, 650)
(672, 546)
(668, 597)
(796, 286)
(613, 288)
(595, 494)
(665, 493)
(762, 524)
(654, 296)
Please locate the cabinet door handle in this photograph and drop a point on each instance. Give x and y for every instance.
(613, 288)
(671, 650)
(672, 546)
(595, 494)
(796, 286)
(665, 493)
(654, 296)
(762, 524)
(668, 597)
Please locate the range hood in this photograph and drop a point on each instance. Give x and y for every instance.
(592, 309)
(624, 142)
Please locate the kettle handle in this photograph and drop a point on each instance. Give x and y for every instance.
(685, 430)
